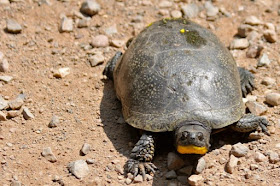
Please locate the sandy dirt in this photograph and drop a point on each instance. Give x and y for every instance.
(85, 100)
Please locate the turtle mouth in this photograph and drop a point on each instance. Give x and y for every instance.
(191, 149)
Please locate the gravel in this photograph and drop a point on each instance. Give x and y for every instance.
(211, 10)
(273, 99)
(259, 157)
(263, 60)
(66, 25)
(176, 14)
(54, 122)
(256, 108)
(138, 179)
(27, 115)
(4, 65)
(244, 30)
(252, 20)
(195, 179)
(96, 59)
(239, 150)
(48, 154)
(79, 168)
(85, 149)
(231, 164)
(3, 116)
(174, 162)
(3, 103)
(117, 43)
(90, 7)
(254, 51)
(186, 170)
(165, 4)
(239, 44)
(273, 157)
(61, 72)
(190, 10)
(100, 41)
(268, 81)
(6, 79)
(201, 165)
(13, 26)
(16, 104)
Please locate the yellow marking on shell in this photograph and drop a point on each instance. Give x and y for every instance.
(182, 31)
(150, 24)
(191, 149)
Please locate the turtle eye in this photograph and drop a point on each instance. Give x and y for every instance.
(184, 135)
(200, 136)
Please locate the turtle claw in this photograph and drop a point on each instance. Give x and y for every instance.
(246, 81)
(136, 167)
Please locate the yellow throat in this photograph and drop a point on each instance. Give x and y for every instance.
(191, 149)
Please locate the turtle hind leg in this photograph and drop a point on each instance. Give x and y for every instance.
(141, 157)
(110, 66)
(246, 81)
(250, 122)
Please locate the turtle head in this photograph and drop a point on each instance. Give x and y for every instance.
(192, 138)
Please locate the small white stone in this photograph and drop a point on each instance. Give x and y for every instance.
(79, 168)
(259, 157)
(232, 163)
(201, 164)
(96, 60)
(13, 26)
(85, 149)
(256, 108)
(239, 150)
(27, 114)
(2, 116)
(273, 99)
(239, 44)
(66, 25)
(48, 154)
(195, 179)
(264, 60)
(90, 7)
(252, 20)
(176, 14)
(6, 79)
(165, 4)
(62, 72)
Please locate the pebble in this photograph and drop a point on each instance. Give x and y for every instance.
(117, 43)
(62, 72)
(3, 116)
(165, 4)
(138, 179)
(13, 27)
(100, 41)
(85, 149)
(149, 177)
(268, 81)
(211, 10)
(171, 175)
(254, 51)
(256, 108)
(48, 154)
(186, 170)
(16, 104)
(277, 145)
(195, 179)
(244, 30)
(27, 115)
(259, 157)
(164, 12)
(273, 157)
(4, 65)
(231, 164)
(128, 181)
(90, 7)
(111, 30)
(254, 167)
(13, 113)
(201, 164)
(174, 162)
(190, 10)
(273, 99)
(6, 79)
(79, 168)
(176, 14)
(66, 25)
(255, 136)
(54, 122)
(270, 36)
(96, 59)
(90, 161)
(239, 44)
(239, 150)
(83, 23)
(263, 61)
(252, 20)
(15, 183)
(4, 2)
(119, 169)
(3, 103)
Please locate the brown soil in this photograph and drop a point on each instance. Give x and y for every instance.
(86, 103)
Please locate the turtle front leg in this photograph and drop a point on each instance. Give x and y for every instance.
(141, 157)
(250, 122)
(110, 66)
(246, 81)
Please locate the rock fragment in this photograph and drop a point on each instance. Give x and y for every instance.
(201, 164)
(54, 122)
(90, 7)
(270, 36)
(165, 4)
(138, 179)
(96, 59)
(231, 164)
(100, 41)
(174, 162)
(16, 104)
(239, 44)
(273, 99)
(244, 30)
(13, 26)
(268, 81)
(263, 61)
(62, 72)
(27, 115)
(3, 116)
(176, 14)
(171, 175)
(259, 157)
(13, 113)
(3, 103)
(15, 183)
(83, 23)
(239, 150)
(4, 2)
(190, 10)
(255, 136)
(186, 170)
(195, 179)
(256, 108)
(254, 51)
(78, 168)
(85, 149)
(6, 79)
(117, 43)
(252, 20)
(66, 25)
(273, 157)
(48, 154)
(211, 10)
(4, 65)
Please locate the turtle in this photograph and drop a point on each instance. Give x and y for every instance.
(178, 76)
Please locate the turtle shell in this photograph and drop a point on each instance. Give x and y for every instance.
(175, 70)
